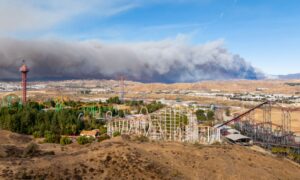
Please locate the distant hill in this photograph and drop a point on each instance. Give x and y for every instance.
(289, 76)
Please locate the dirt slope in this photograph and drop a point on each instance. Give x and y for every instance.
(127, 159)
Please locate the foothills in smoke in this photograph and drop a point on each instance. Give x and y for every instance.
(171, 60)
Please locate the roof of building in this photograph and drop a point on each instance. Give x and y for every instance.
(236, 137)
(233, 131)
(89, 133)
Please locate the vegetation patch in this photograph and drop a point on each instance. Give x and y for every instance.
(141, 139)
(103, 137)
(65, 140)
(116, 133)
(50, 137)
(85, 140)
(31, 150)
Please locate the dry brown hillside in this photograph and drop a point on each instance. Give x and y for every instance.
(129, 159)
(231, 86)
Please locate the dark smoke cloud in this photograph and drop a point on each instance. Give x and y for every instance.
(160, 61)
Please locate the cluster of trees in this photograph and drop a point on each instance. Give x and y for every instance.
(40, 123)
(134, 103)
(39, 120)
(154, 106)
(203, 116)
(114, 100)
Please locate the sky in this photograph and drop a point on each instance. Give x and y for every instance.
(266, 33)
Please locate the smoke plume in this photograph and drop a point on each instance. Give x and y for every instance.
(160, 61)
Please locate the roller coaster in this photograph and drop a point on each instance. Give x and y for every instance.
(167, 124)
(10, 100)
(263, 131)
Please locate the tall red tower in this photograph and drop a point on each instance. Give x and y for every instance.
(24, 70)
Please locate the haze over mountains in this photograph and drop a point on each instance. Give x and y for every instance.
(289, 76)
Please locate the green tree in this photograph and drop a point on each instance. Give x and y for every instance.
(201, 115)
(121, 113)
(210, 115)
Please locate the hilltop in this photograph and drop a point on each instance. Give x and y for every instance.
(122, 158)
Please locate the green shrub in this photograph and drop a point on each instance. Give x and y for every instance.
(50, 137)
(116, 133)
(102, 130)
(278, 150)
(37, 134)
(103, 137)
(65, 140)
(84, 140)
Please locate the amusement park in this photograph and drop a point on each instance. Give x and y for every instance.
(61, 118)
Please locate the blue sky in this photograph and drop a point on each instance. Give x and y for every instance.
(265, 33)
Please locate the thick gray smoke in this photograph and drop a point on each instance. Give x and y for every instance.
(160, 61)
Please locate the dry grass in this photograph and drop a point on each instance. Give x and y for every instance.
(126, 159)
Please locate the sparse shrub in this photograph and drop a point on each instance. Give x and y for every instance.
(50, 137)
(116, 133)
(216, 143)
(49, 153)
(279, 150)
(65, 140)
(84, 140)
(142, 138)
(30, 150)
(103, 137)
(102, 130)
(125, 137)
(227, 112)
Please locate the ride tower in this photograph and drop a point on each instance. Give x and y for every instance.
(24, 70)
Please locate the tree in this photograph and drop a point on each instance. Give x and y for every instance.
(228, 113)
(201, 115)
(210, 115)
(121, 113)
(114, 100)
